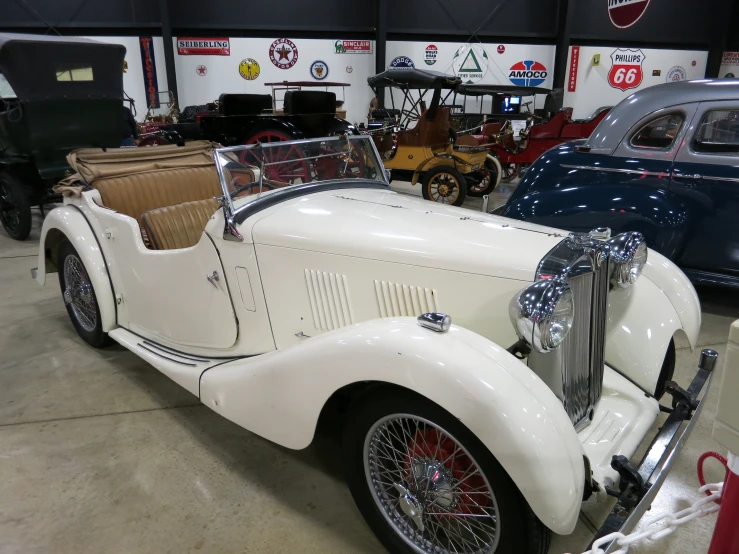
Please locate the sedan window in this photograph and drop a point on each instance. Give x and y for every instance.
(718, 133)
(658, 133)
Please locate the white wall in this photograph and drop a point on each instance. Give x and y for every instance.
(223, 72)
(592, 88)
(133, 79)
(498, 67)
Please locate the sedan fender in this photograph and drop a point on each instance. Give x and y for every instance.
(280, 396)
(69, 222)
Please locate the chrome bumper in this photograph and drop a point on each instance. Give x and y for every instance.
(639, 486)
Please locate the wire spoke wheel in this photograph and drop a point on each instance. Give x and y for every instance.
(444, 188)
(429, 488)
(78, 294)
(288, 173)
(510, 170)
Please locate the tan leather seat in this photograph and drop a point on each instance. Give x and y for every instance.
(137, 193)
(178, 226)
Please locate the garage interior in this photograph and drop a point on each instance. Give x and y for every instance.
(102, 453)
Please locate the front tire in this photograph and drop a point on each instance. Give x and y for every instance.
(487, 185)
(15, 207)
(79, 296)
(425, 484)
(445, 185)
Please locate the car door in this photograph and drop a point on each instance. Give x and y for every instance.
(178, 296)
(705, 177)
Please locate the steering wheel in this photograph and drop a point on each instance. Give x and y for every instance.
(253, 185)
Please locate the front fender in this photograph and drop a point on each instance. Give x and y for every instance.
(644, 318)
(69, 222)
(516, 416)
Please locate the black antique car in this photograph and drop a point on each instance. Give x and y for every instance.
(664, 162)
(56, 94)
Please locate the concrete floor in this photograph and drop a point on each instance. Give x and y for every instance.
(101, 453)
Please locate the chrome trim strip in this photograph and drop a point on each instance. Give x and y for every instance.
(616, 170)
(165, 357)
(172, 352)
(726, 179)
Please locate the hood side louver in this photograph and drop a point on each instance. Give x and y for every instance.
(329, 300)
(395, 299)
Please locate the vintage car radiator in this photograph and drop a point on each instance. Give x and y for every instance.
(574, 371)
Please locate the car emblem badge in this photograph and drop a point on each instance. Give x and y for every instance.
(599, 258)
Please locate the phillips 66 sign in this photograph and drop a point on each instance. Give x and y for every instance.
(626, 71)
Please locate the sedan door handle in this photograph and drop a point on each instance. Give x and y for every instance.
(212, 278)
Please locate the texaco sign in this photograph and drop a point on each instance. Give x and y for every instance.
(624, 13)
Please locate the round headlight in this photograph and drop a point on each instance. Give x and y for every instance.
(628, 254)
(542, 313)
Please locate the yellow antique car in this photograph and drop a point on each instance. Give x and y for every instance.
(416, 142)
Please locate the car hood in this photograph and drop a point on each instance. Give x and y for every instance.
(391, 227)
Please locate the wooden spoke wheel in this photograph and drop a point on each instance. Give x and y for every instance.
(290, 173)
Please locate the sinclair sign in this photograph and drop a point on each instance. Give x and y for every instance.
(353, 46)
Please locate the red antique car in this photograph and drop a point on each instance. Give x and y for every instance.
(535, 138)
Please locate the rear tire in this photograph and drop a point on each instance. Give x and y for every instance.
(445, 185)
(15, 207)
(423, 479)
(79, 296)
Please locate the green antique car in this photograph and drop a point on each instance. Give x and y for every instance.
(56, 94)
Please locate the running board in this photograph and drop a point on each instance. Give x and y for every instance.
(183, 368)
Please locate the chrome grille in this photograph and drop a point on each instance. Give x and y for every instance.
(576, 359)
(574, 371)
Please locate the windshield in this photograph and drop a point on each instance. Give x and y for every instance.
(248, 172)
(6, 91)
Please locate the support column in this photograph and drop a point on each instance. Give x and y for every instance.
(380, 42)
(565, 11)
(168, 49)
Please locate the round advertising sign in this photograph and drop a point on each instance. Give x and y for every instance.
(624, 13)
(319, 70)
(470, 63)
(283, 53)
(249, 69)
(401, 62)
(676, 73)
(501, 49)
(430, 54)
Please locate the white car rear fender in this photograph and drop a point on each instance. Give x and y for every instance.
(68, 222)
(280, 396)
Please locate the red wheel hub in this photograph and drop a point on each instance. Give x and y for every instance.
(443, 453)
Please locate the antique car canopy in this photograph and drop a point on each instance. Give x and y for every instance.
(608, 135)
(413, 78)
(41, 67)
(484, 90)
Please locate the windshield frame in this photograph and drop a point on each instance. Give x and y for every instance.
(235, 215)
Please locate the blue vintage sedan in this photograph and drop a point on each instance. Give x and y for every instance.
(665, 162)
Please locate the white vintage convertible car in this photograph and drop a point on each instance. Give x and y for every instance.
(492, 373)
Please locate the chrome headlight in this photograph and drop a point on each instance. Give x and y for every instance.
(542, 313)
(628, 254)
